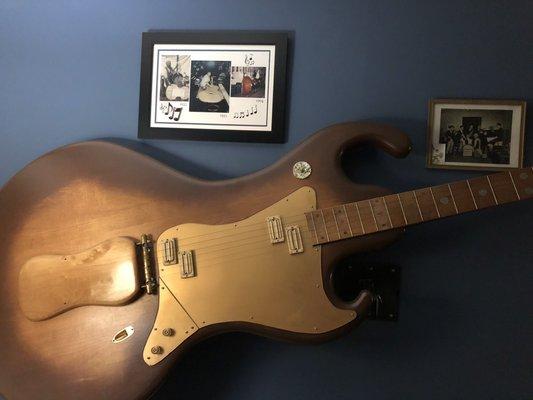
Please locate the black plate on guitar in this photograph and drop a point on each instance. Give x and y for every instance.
(382, 280)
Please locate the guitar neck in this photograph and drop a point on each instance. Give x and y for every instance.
(409, 208)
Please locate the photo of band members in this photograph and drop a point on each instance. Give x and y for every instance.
(476, 136)
(248, 81)
(174, 77)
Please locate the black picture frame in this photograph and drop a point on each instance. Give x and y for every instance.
(279, 39)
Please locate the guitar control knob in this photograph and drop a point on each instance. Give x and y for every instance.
(157, 350)
(168, 332)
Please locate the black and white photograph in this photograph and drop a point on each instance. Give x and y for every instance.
(210, 86)
(248, 81)
(175, 77)
(223, 85)
(472, 134)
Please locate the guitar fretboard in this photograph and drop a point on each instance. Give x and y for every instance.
(421, 205)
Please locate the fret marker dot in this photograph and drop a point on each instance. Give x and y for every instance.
(529, 190)
(444, 200)
(523, 176)
(483, 192)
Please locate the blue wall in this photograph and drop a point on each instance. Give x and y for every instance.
(70, 72)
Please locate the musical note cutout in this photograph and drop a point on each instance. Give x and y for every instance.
(247, 113)
(172, 110)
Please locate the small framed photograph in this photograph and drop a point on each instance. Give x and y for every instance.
(476, 134)
(213, 85)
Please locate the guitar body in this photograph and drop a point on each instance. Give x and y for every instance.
(89, 194)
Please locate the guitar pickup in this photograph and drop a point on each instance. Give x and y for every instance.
(186, 263)
(275, 229)
(169, 252)
(294, 239)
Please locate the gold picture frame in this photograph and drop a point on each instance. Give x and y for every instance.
(475, 134)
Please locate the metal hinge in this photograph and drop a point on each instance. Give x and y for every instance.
(146, 249)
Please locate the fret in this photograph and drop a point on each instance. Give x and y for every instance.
(394, 209)
(418, 206)
(463, 198)
(359, 215)
(311, 226)
(373, 215)
(453, 199)
(354, 220)
(444, 200)
(515, 189)
(492, 190)
(523, 179)
(434, 202)
(482, 192)
(320, 227)
(472, 194)
(503, 188)
(410, 207)
(332, 228)
(347, 219)
(427, 205)
(325, 225)
(367, 216)
(336, 223)
(343, 227)
(401, 207)
(379, 210)
(387, 210)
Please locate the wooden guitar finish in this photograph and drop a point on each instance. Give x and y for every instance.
(103, 275)
(76, 197)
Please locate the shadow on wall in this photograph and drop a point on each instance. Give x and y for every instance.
(222, 358)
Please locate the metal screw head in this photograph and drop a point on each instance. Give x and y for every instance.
(168, 332)
(157, 350)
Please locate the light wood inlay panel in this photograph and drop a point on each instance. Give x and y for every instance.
(103, 275)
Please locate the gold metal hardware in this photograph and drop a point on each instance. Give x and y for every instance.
(236, 281)
(169, 314)
(294, 239)
(186, 262)
(275, 229)
(123, 334)
(237, 269)
(156, 350)
(168, 332)
(146, 249)
(169, 252)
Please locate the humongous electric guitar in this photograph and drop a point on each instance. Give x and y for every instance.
(113, 264)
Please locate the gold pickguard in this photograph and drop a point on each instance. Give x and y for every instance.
(242, 277)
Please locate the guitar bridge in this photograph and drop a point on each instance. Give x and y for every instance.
(146, 248)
